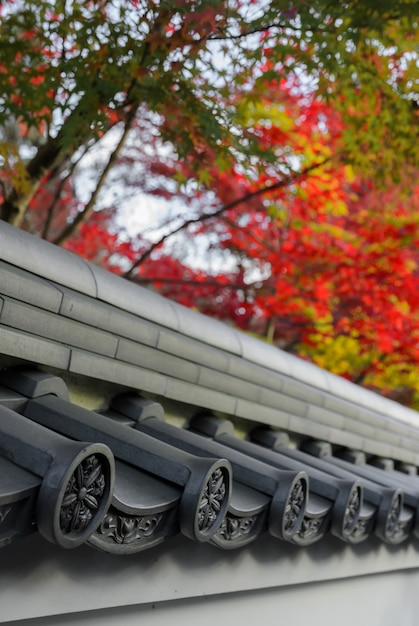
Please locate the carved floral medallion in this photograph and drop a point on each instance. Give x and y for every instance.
(212, 500)
(295, 505)
(82, 496)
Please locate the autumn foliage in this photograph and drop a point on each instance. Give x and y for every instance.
(282, 140)
(323, 263)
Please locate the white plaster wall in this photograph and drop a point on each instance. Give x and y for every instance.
(328, 583)
(378, 600)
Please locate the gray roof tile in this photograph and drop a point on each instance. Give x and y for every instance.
(33, 349)
(46, 260)
(49, 326)
(93, 327)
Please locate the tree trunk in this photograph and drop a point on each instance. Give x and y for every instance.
(13, 208)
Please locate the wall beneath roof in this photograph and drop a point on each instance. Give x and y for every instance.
(380, 600)
(183, 583)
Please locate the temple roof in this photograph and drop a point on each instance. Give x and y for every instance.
(126, 419)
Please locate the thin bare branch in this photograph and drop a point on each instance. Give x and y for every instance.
(285, 182)
(247, 33)
(82, 216)
(193, 283)
(56, 198)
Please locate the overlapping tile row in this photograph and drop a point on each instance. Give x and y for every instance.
(124, 479)
(60, 311)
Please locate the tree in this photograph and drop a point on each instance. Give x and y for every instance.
(281, 128)
(321, 262)
(72, 71)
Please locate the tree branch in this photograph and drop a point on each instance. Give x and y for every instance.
(56, 198)
(247, 33)
(193, 283)
(14, 205)
(47, 157)
(82, 216)
(285, 182)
